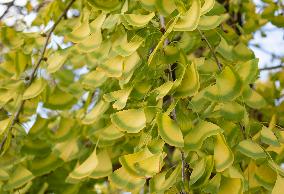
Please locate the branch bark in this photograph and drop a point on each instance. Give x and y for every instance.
(9, 5)
(15, 116)
(211, 49)
(271, 68)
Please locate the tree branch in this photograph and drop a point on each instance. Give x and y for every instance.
(211, 49)
(16, 115)
(271, 68)
(9, 5)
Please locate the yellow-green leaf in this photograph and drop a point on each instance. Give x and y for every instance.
(131, 120)
(19, 177)
(79, 33)
(278, 187)
(190, 83)
(93, 79)
(195, 137)
(265, 176)
(169, 130)
(138, 20)
(253, 98)
(112, 67)
(165, 7)
(231, 186)
(163, 89)
(96, 112)
(85, 169)
(223, 156)
(207, 6)
(104, 167)
(55, 61)
(189, 21)
(251, 149)
(120, 97)
(124, 48)
(268, 137)
(228, 86)
(248, 70)
(34, 89)
(211, 22)
(123, 180)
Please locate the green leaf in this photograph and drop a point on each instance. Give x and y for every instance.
(251, 149)
(231, 185)
(19, 177)
(248, 70)
(104, 166)
(120, 97)
(207, 6)
(195, 137)
(84, 169)
(190, 83)
(228, 86)
(138, 20)
(189, 21)
(99, 109)
(169, 130)
(223, 156)
(211, 22)
(268, 137)
(34, 89)
(108, 5)
(131, 120)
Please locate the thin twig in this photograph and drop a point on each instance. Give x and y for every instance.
(211, 49)
(16, 115)
(9, 5)
(271, 68)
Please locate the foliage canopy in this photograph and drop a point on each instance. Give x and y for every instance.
(149, 96)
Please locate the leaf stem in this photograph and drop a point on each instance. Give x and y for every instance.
(211, 49)
(16, 115)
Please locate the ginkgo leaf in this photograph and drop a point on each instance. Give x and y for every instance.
(112, 67)
(3, 125)
(4, 175)
(123, 180)
(207, 6)
(43, 165)
(90, 43)
(248, 70)
(278, 187)
(169, 130)
(124, 48)
(148, 4)
(65, 129)
(195, 137)
(120, 97)
(165, 7)
(225, 49)
(130, 63)
(138, 20)
(190, 83)
(203, 180)
(39, 126)
(108, 5)
(34, 89)
(59, 99)
(19, 177)
(163, 89)
(35, 146)
(197, 171)
(213, 185)
(104, 166)
(66, 150)
(99, 54)
(211, 22)
(251, 149)
(223, 156)
(142, 163)
(268, 137)
(97, 23)
(108, 134)
(232, 111)
(231, 185)
(55, 61)
(228, 86)
(85, 169)
(79, 33)
(161, 182)
(265, 176)
(93, 79)
(131, 120)
(99, 109)
(189, 21)
(253, 98)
